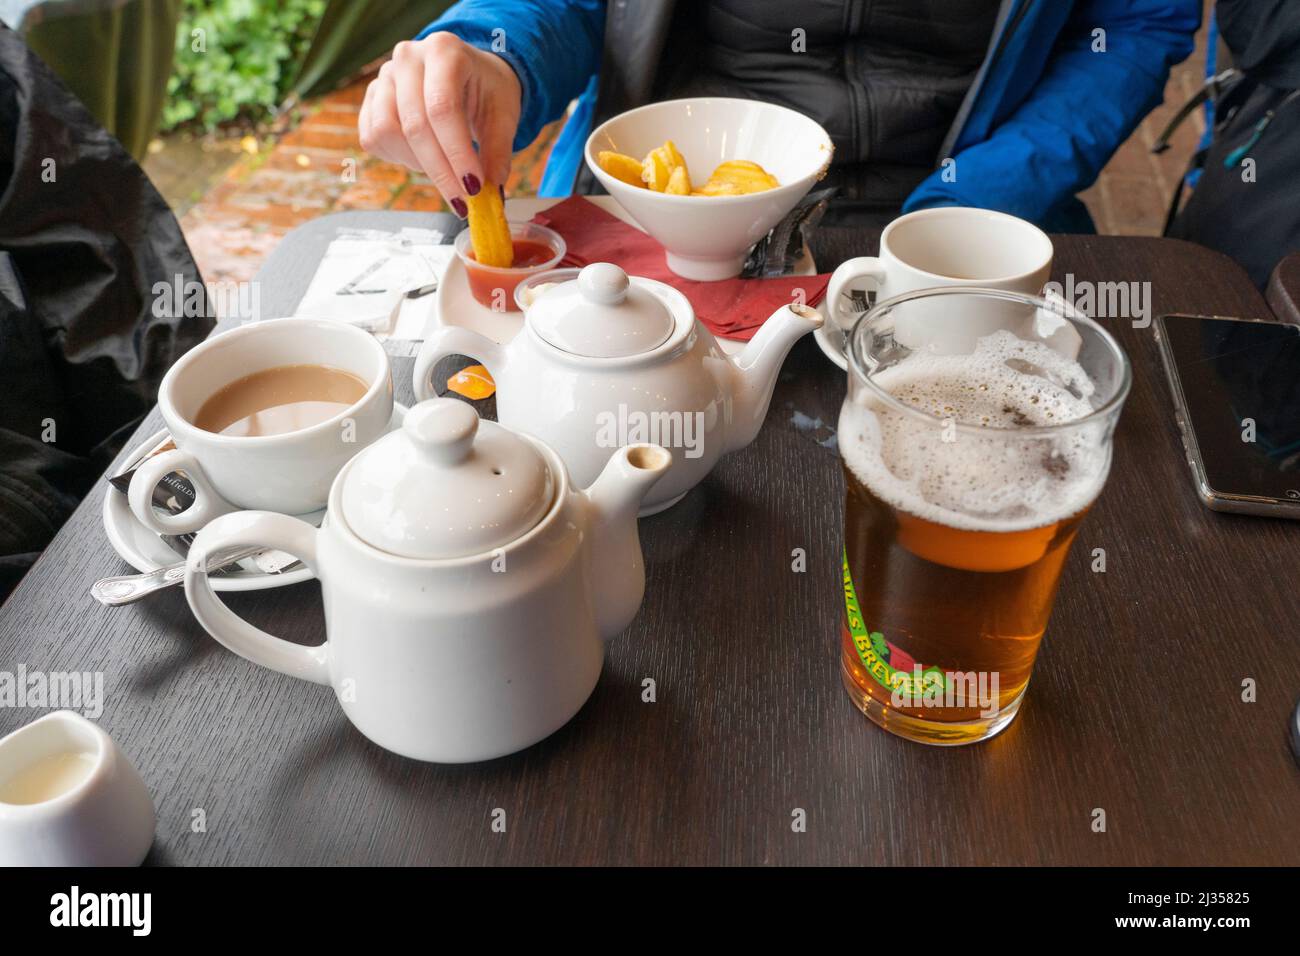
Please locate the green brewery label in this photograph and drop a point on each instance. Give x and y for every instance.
(889, 666)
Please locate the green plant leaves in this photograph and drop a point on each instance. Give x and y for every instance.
(234, 59)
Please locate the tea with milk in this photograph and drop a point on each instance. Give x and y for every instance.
(274, 401)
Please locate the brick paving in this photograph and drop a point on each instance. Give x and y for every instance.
(318, 166)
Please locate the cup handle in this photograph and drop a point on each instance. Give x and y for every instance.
(851, 270)
(246, 529)
(207, 503)
(452, 340)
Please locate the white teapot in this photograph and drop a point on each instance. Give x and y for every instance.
(468, 585)
(604, 359)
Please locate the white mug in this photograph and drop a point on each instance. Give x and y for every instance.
(94, 812)
(947, 246)
(290, 473)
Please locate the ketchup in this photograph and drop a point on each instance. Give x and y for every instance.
(495, 289)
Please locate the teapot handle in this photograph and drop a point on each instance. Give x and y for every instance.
(452, 340)
(246, 529)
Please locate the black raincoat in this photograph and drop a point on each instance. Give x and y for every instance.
(84, 238)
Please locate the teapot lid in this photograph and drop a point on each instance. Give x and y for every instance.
(446, 485)
(602, 314)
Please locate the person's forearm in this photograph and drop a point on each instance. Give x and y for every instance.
(552, 45)
(1086, 105)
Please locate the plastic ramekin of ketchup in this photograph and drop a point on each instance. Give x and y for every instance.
(537, 249)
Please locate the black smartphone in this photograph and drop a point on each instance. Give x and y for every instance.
(1236, 389)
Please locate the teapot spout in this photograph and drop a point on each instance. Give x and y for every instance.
(618, 573)
(757, 366)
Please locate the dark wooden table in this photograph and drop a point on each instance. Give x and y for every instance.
(1135, 707)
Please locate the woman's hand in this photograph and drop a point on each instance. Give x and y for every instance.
(431, 102)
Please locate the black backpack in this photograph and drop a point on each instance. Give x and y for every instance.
(1247, 200)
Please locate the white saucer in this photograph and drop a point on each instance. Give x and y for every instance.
(457, 306)
(145, 551)
(831, 341)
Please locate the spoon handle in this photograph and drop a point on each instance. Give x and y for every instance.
(129, 588)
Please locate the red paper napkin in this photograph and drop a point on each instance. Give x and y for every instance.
(732, 308)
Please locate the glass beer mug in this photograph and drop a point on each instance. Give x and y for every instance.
(975, 436)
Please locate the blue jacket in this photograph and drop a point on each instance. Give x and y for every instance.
(1064, 84)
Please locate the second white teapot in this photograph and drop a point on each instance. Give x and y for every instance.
(469, 585)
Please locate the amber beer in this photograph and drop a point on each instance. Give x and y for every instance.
(952, 603)
(967, 477)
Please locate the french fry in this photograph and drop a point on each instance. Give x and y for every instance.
(679, 183)
(621, 166)
(489, 233)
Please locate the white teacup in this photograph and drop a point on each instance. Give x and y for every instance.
(291, 472)
(948, 246)
(76, 799)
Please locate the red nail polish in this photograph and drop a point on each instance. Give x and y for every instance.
(459, 208)
(472, 185)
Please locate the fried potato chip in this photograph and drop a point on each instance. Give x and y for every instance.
(716, 187)
(656, 169)
(621, 166)
(675, 157)
(679, 183)
(746, 176)
(664, 171)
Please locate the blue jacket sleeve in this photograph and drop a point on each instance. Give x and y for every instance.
(553, 46)
(1083, 107)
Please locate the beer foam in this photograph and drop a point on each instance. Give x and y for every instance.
(965, 479)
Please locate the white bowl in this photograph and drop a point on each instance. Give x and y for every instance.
(708, 237)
